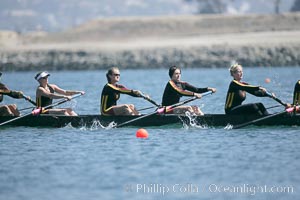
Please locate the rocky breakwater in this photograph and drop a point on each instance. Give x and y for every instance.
(189, 41)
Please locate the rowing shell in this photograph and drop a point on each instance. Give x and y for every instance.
(154, 120)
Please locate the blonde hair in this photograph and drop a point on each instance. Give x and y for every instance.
(233, 68)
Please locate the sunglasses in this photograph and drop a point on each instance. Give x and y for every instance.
(117, 74)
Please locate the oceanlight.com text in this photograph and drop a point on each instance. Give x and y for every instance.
(249, 189)
(243, 189)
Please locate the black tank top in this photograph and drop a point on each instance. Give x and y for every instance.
(43, 101)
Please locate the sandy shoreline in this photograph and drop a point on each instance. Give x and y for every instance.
(232, 39)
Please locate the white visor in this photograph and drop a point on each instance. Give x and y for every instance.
(42, 75)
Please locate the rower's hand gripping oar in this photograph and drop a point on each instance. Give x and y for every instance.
(276, 99)
(27, 98)
(147, 98)
(38, 110)
(288, 110)
(162, 110)
(150, 100)
(56, 103)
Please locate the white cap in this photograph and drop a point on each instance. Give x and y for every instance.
(41, 75)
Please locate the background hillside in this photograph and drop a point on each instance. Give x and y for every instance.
(56, 15)
(156, 42)
(211, 40)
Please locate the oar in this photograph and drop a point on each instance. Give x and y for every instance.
(288, 110)
(150, 100)
(273, 107)
(62, 101)
(276, 99)
(146, 108)
(32, 107)
(27, 98)
(38, 110)
(161, 110)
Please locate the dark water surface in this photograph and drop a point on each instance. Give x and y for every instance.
(173, 163)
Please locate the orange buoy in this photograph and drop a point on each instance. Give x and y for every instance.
(267, 80)
(141, 133)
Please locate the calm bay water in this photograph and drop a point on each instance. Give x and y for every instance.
(173, 163)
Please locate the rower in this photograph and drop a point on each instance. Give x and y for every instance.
(296, 99)
(111, 94)
(237, 94)
(46, 92)
(176, 88)
(9, 110)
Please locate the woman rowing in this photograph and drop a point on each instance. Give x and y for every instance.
(46, 92)
(296, 99)
(11, 109)
(237, 94)
(111, 94)
(176, 88)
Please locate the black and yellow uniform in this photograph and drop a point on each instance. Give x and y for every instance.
(296, 99)
(110, 95)
(237, 94)
(5, 110)
(5, 91)
(174, 90)
(43, 101)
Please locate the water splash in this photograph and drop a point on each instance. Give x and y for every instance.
(96, 125)
(111, 125)
(192, 122)
(228, 127)
(69, 125)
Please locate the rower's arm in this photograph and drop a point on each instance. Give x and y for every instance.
(259, 93)
(183, 92)
(195, 89)
(72, 92)
(122, 89)
(42, 92)
(12, 93)
(254, 90)
(4, 91)
(59, 90)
